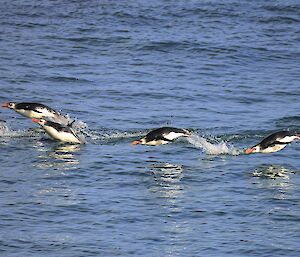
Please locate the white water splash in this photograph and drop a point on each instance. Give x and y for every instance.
(79, 125)
(64, 120)
(213, 149)
(3, 128)
(7, 133)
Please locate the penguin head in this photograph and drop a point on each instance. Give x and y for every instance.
(141, 141)
(10, 105)
(253, 149)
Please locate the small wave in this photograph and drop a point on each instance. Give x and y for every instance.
(66, 79)
(291, 122)
(212, 149)
(282, 8)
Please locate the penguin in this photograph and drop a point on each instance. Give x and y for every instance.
(58, 131)
(274, 143)
(38, 111)
(162, 136)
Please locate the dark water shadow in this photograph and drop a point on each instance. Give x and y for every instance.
(273, 171)
(275, 181)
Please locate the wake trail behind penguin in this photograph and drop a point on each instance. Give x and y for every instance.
(212, 149)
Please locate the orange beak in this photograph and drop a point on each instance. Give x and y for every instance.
(136, 142)
(35, 120)
(5, 105)
(249, 150)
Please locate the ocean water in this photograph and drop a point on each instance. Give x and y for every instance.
(226, 70)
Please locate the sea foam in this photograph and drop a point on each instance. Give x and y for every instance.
(210, 148)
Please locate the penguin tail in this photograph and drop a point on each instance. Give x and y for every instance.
(187, 133)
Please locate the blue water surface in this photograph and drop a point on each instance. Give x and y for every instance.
(227, 70)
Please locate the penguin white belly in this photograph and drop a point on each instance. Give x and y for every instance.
(273, 149)
(157, 142)
(287, 139)
(29, 113)
(61, 135)
(173, 135)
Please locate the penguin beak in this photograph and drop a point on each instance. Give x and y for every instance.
(35, 120)
(249, 150)
(5, 105)
(137, 142)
